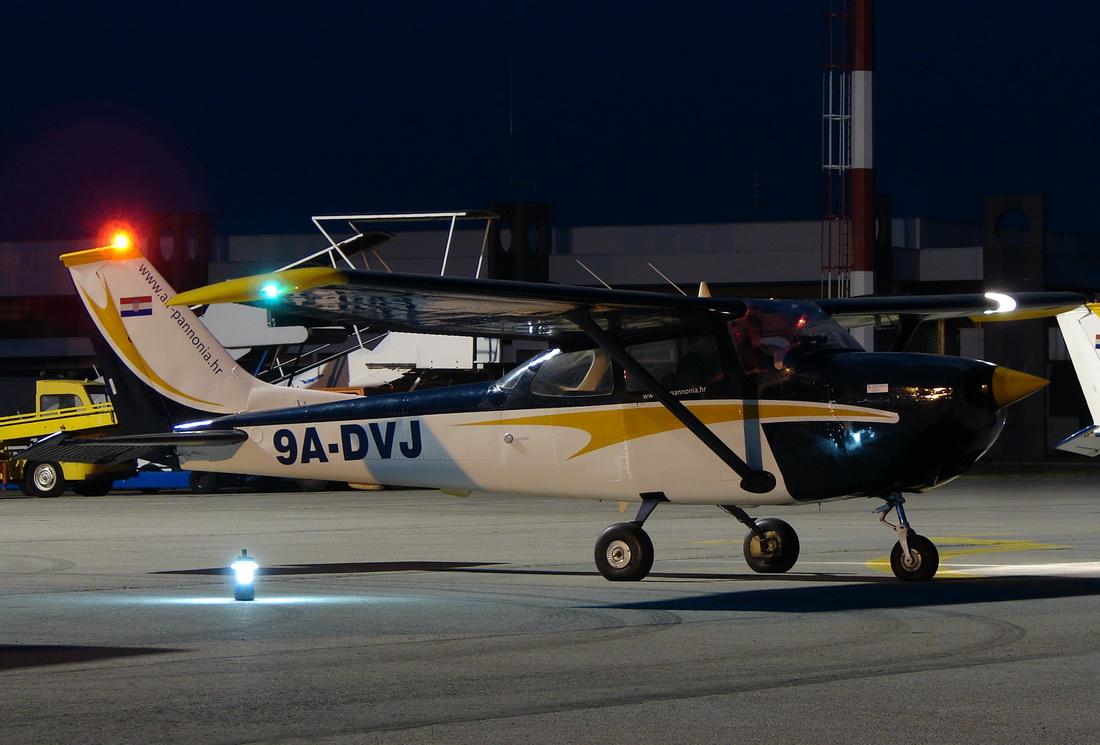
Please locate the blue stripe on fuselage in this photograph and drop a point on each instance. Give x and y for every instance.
(449, 400)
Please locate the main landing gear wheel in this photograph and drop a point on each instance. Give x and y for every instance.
(775, 552)
(204, 482)
(624, 553)
(45, 479)
(923, 561)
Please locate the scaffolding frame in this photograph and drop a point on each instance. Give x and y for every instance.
(836, 152)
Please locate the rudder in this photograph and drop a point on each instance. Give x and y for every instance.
(168, 348)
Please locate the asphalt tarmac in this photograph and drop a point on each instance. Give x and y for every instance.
(413, 617)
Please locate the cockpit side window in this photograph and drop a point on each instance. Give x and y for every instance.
(583, 373)
(512, 378)
(678, 363)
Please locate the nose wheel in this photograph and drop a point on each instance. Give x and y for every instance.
(914, 558)
(921, 563)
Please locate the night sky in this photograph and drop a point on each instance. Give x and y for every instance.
(265, 113)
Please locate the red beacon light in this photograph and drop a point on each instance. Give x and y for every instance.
(117, 234)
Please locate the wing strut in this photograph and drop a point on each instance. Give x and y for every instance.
(755, 482)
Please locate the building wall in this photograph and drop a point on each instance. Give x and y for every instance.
(44, 328)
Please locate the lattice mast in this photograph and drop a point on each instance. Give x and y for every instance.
(848, 185)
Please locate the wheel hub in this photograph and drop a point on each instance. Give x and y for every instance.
(45, 478)
(618, 554)
(765, 547)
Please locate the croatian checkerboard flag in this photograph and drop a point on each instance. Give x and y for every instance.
(135, 306)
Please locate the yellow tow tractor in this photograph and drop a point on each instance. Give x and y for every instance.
(60, 405)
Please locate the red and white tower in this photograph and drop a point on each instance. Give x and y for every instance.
(863, 174)
(848, 221)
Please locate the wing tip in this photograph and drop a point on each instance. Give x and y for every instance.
(261, 287)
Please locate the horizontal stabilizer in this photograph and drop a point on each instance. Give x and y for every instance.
(62, 446)
(1085, 442)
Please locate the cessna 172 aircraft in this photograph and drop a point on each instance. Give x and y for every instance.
(642, 397)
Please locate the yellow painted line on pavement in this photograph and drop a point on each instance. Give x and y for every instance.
(974, 547)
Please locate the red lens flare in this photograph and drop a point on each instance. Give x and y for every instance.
(117, 234)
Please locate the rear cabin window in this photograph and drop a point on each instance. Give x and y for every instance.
(583, 373)
(677, 364)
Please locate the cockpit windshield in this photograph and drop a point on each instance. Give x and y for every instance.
(774, 334)
(511, 378)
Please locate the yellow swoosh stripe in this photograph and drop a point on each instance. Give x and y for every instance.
(608, 427)
(111, 323)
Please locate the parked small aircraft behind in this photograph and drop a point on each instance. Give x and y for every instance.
(642, 397)
(1081, 331)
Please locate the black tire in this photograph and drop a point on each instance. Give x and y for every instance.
(924, 560)
(204, 482)
(97, 488)
(777, 552)
(45, 479)
(624, 553)
(313, 484)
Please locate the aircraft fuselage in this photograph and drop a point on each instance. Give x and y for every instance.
(832, 425)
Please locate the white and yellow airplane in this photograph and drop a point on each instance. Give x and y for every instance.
(643, 397)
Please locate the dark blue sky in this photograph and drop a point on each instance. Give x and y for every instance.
(265, 113)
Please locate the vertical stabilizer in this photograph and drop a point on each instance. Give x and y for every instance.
(1081, 331)
(168, 348)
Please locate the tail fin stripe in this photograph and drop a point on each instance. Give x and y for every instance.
(111, 323)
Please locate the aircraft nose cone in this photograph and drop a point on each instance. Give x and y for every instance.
(1009, 386)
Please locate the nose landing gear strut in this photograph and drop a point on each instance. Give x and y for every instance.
(914, 558)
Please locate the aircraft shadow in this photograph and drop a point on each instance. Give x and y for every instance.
(14, 656)
(485, 567)
(877, 595)
(367, 567)
(807, 593)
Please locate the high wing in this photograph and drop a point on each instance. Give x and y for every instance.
(878, 311)
(507, 309)
(449, 305)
